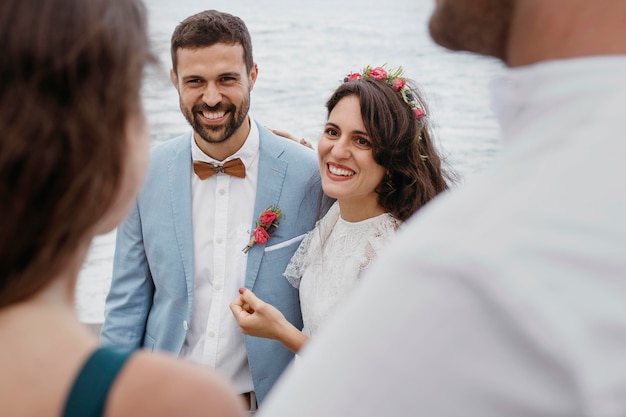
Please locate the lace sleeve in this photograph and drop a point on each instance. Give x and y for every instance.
(297, 264)
(383, 233)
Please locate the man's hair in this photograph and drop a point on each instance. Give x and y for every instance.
(208, 28)
(70, 77)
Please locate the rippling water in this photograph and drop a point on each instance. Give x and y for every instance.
(303, 50)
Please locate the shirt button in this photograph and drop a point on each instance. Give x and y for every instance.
(222, 191)
(219, 240)
(185, 325)
(211, 333)
(218, 286)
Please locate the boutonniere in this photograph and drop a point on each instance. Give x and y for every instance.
(265, 225)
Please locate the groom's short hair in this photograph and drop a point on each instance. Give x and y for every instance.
(208, 28)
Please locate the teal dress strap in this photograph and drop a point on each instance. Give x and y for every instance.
(91, 388)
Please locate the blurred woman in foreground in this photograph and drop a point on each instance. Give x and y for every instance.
(73, 152)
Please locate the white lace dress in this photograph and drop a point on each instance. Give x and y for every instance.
(330, 259)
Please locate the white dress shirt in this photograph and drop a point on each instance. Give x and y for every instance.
(222, 214)
(506, 297)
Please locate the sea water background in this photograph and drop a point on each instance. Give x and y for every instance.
(303, 50)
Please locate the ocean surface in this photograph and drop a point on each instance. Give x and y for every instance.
(303, 50)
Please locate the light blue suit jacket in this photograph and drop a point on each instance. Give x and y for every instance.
(151, 297)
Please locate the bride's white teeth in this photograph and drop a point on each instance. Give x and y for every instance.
(339, 171)
(213, 115)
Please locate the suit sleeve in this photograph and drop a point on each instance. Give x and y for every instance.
(130, 297)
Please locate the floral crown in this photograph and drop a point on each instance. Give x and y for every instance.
(395, 80)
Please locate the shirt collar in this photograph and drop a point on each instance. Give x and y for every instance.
(247, 153)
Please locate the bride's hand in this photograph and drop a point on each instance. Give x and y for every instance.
(260, 319)
(256, 317)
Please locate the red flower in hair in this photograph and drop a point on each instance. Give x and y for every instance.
(399, 83)
(378, 73)
(394, 79)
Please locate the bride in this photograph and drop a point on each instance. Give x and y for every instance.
(377, 159)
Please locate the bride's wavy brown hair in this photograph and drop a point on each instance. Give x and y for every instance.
(401, 143)
(70, 78)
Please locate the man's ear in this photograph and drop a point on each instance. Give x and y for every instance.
(253, 74)
(174, 79)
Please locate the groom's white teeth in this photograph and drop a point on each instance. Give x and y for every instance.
(213, 115)
(339, 171)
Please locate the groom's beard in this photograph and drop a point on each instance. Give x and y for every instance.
(217, 133)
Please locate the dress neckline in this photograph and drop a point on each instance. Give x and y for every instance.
(364, 221)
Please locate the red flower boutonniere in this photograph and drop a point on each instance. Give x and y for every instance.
(265, 225)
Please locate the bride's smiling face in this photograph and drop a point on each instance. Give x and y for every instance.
(348, 170)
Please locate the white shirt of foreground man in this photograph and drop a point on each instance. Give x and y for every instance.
(508, 296)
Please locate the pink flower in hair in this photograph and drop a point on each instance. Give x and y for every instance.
(378, 73)
(394, 79)
(398, 84)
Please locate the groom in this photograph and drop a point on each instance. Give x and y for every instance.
(179, 256)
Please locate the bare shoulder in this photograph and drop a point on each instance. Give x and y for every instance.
(156, 385)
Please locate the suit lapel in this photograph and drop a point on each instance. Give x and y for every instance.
(178, 174)
(271, 177)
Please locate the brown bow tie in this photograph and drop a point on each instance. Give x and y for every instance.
(204, 170)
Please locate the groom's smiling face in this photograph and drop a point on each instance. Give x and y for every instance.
(214, 91)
